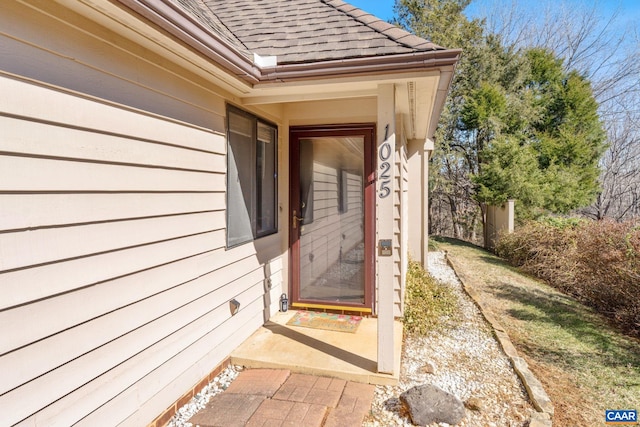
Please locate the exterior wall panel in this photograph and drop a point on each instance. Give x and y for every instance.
(400, 219)
(92, 60)
(404, 221)
(114, 277)
(37, 282)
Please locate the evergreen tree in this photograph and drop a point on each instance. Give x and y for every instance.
(516, 125)
(563, 131)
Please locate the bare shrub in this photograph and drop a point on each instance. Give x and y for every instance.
(609, 277)
(598, 262)
(545, 249)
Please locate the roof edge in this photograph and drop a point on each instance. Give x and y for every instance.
(185, 28)
(372, 65)
(392, 32)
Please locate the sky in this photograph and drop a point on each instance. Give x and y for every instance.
(380, 8)
(630, 8)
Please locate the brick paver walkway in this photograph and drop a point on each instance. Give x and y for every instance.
(273, 398)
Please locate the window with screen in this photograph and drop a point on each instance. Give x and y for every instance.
(251, 177)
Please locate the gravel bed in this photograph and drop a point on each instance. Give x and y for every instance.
(463, 359)
(200, 400)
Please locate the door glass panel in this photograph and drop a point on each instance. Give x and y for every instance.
(332, 231)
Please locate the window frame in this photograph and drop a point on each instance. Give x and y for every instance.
(255, 210)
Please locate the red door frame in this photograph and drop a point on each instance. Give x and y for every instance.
(368, 132)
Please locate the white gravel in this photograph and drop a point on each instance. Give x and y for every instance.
(200, 400)
(464, 360)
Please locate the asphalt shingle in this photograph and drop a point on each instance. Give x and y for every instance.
(299, 31)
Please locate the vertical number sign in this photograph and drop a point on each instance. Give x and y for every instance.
(384, 153)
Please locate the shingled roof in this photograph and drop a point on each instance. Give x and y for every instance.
(303, 31)
(209, 20)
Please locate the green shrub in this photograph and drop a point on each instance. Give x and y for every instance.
(428, 302)
(598, 262)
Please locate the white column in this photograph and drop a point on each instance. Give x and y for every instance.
(426, 155)
(419, 153)
(386, 146)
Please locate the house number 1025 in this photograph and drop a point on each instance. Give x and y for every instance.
(384, 153)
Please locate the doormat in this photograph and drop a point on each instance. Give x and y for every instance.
(327, 321)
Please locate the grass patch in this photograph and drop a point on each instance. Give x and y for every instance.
(585, 364)
(428, 302)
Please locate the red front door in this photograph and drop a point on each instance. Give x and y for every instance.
(332, 203)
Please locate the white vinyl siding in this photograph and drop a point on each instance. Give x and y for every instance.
(114, 273)
(126, 277)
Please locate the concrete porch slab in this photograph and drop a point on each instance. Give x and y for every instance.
(348, 356)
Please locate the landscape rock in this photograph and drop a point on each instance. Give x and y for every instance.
(429, 368)
(429, 404)
(474, 403)
(540, 419)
